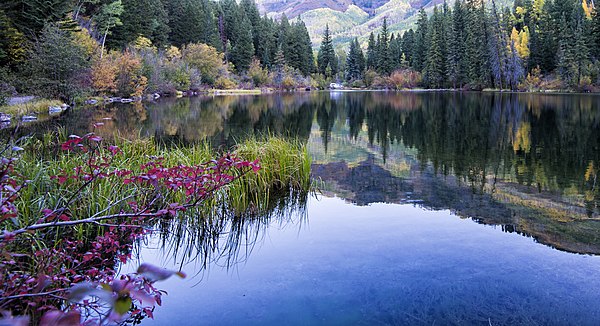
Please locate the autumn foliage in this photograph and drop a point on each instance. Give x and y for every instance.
(44, 265)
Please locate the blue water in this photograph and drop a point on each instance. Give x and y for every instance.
(385, 264)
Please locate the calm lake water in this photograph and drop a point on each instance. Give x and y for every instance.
(435, 208)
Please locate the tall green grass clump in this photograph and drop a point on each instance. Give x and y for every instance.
(285, 168)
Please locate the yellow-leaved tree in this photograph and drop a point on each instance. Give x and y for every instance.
(104, 75)
(521, 41)
(588, 8)
(206, 59)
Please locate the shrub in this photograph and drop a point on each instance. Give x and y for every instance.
(319, 81)
(288, 83)
(104, 75)
(369, 77)
(533, 81)
(225, 83)
(258, 74)
(358, 83)
(404, 78)
(130, 80)
(206, 59)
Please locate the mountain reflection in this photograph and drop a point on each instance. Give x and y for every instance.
(528, 162)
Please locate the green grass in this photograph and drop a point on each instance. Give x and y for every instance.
(36, 106)
(235, 91)
(285, 168)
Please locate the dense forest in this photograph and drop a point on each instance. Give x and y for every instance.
(70, 49)
(537, 44)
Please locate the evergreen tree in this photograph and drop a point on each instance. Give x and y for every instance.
(354, 61)
(580, 47)
(497, 46)
(595, 42)
(420, 45)
(268, 42)
(384, 59)
(306, 59)
(209, 24)
(146, 18)
(30, 16)
(372, 52)
(408, 44)
(566, 55)
(184, 24)
(457, 65)
(326, 56)
(476, 44)
(251, 10)
(243, 49)
(395, 51)
(12, 42)
(434, 70)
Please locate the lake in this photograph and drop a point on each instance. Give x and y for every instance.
(433, 208)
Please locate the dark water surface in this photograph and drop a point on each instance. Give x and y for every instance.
(436, 208)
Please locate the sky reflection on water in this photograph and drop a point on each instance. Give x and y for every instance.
(387, 264)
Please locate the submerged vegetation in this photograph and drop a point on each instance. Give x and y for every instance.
(72, 208)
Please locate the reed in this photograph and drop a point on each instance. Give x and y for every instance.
(285, 168)
(37, 106)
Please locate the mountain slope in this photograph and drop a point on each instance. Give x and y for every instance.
(348, 19)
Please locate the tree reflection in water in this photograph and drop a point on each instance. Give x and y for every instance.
(216, 236)
(528, 162)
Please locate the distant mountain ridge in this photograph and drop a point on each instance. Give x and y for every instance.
(348, 19)
(294, 8)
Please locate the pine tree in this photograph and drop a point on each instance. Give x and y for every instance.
(362, 62)
(268, 42)
(146, 18)
(421, 46)
(457, 60)
(566, 56)
(251, 10)
(30, 16)
(408, 43)
(384, 60)
(12, 43)
(354, 61)
(476, 44)
(581, 49)
(395, 51)
(243, 48)
(495, 48)
(326, 56)
(306, 59)
(595, 44)
(185, 18)
(434, 70)
(372, 52)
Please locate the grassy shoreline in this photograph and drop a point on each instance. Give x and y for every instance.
(285, 167)
(35, 106)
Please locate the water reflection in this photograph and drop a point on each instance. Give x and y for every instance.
(215, 236)
(527, 162)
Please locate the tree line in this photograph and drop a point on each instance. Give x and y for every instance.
(474, 44)
(40, 31)
(66, 48)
